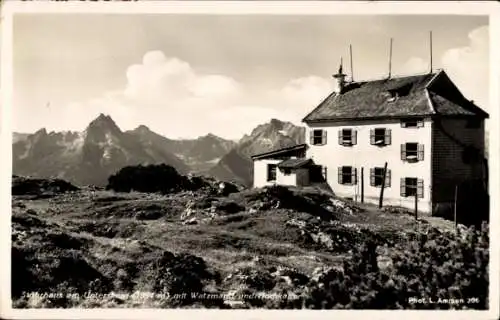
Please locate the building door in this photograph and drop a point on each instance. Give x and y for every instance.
(316, 174)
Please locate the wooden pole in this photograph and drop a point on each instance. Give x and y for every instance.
(455, 207)
(362, 185)
(381, 200)
(350, 54)
(416, 203)
(430, 42)
(390, 59)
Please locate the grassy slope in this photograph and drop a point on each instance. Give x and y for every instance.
(117, 231)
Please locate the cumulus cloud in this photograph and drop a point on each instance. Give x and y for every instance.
(159, 80)
(175, 99)
(298, 96)
(415, 65)
(468, 66)
(171, 97)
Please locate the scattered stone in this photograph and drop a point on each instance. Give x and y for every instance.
(190, 221)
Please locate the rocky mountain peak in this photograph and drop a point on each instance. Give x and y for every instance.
(102, 126)
(142, 129)
(103, 121)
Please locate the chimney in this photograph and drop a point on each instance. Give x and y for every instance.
(340, 80)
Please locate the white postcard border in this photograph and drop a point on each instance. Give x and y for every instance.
(10, 8)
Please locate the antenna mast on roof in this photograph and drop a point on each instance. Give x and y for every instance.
(430, 42)
(350, 54)
(390, 59)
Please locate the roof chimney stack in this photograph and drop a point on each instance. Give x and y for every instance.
(340, 77)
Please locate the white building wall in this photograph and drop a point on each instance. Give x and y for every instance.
(286, 180)
(260, 172)
(363, 154)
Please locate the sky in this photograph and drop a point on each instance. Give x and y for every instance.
(185, 76)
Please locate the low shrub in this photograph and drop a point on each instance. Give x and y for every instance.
(445, 270)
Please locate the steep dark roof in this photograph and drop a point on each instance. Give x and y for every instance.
(294, 163)
(280, 152)
(419, 95)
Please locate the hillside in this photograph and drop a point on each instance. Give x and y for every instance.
(237, 164)
(263, 248)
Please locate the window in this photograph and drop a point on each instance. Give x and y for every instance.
(318, 137)
(380, 136)
(412, 151)
(347, 175)
(411, 187)
(347, 137)
(377, 176)
(393, 96)
(287, 171)
(399, 91)
(412, 123)
(473, 123)
(271, 172)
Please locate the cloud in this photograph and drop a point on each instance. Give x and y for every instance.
(415, 65)
(299, 96)
(468, 66)
(175, 99)
(171, 97)
(160, 80)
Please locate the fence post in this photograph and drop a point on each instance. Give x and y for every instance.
(416, 204)
(362, 185)
(383, 187)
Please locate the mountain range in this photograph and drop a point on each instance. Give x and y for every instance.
(91, 156)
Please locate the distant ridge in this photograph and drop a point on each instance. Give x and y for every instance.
(91, 156)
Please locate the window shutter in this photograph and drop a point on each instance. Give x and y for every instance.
(403, 151)
(403, 124)
(340, 136)
(311, 137)
(323, 136)
(387, 140)
(420, 188)
(420, 152)
(388, 179)
(402, 187)
(420, 123)
(325, 175)
(354, 136)
(372, 177)
(354, 176)
(372, 136)
(340, 175)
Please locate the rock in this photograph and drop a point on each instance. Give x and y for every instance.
(339, 205)
(322, 238)
(190, 221)
(297, 223)
(187, 212)
(31, 211)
